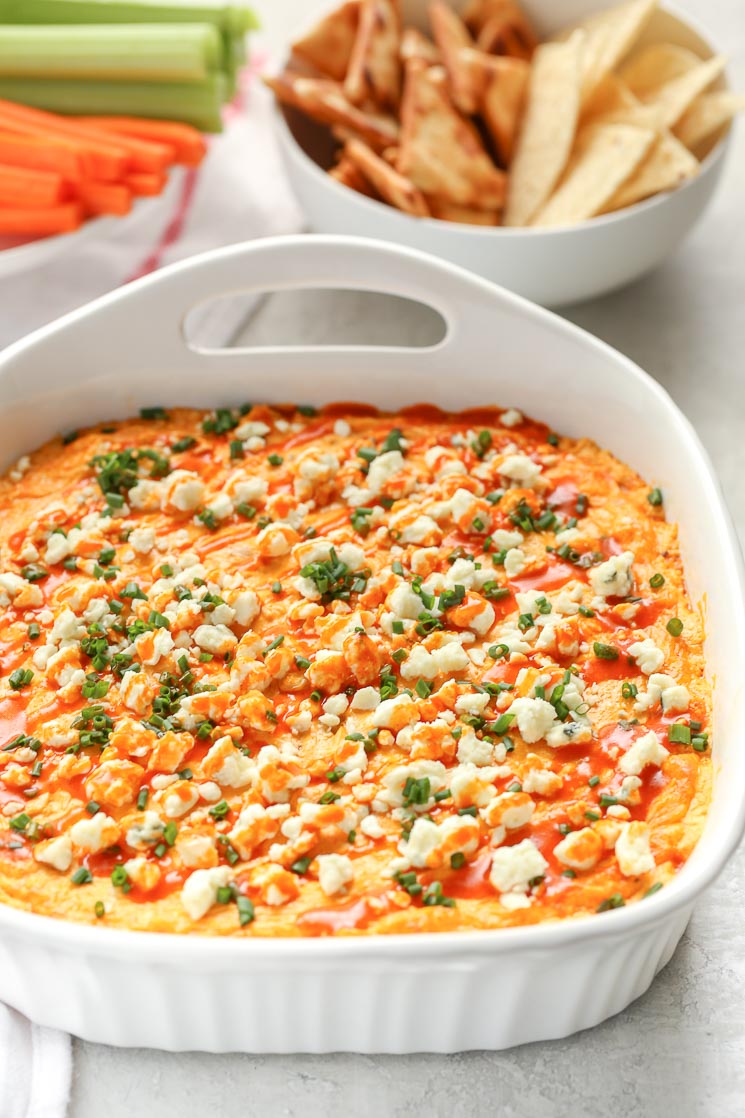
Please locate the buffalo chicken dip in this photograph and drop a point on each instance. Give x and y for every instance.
(273, 671)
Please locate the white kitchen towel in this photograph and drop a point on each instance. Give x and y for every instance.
(35, 1068)
(239, 192)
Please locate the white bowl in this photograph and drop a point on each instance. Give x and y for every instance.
(436, 992)
(551, 266)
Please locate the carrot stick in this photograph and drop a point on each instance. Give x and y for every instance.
(187, 142)
(41, 155)
(143, 155)
(41, 222)
(141, 183)
(104, 198)
(108, 160)
(21, 187)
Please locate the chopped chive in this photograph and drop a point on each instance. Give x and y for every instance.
(245, 908)
(655, 497)
(20, 678)
(614, 901)
(656, 581)
(185, 443)
(674, 626)
(604, 651)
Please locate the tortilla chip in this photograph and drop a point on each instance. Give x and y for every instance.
(667, 165)
(325, 101)
(451, 36)
(374, 70)
(348, 174)
(463, 215)
(673, 98)
(605, 156)
(610, 36)
(390, 185)
(707, 115)
(501, 27)
(416, 45)
(500, 86)
(440, 151)
(548, 126)
(650, 68)
(328, 47)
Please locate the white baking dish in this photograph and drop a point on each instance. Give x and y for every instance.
(389, 994)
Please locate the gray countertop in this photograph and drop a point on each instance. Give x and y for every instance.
(679, 1050)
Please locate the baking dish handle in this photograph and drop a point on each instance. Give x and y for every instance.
(141, 326)
(303, 262)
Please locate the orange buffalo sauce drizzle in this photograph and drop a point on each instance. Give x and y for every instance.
(354, 914)
(12, 717)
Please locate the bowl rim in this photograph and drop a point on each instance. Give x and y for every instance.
(708, 164)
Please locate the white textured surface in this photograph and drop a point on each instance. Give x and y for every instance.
(679, 1050)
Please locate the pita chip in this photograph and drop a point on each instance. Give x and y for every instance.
(348, 174)
(389, 184)
(325, 101)
(610, 36)
(548, 127)
(452, 37)
(667, 166)
(500, 86)
(501, 27)
(416, 45)
(463, 215)
(707, 115)
(605, 156)
(672, 98)
(439, 150)
(328, 47)
(613, 102)
(374, 71)
(650, 68)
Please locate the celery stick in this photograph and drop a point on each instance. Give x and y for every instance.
(236, 19)
(235, 59)
(124, 52)
(196, 103)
